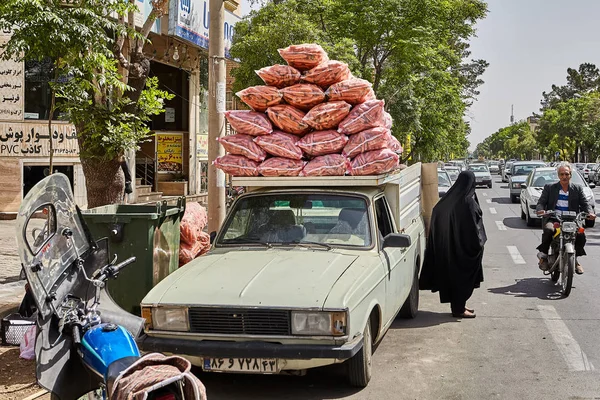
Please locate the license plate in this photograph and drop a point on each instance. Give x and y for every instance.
(244, 365)
(479, 180)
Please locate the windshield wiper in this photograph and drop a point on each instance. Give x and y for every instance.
(305, 242)
(240, 240)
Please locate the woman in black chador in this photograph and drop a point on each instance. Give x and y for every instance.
(454, 250)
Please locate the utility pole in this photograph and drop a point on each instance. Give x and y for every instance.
(512, 114)
(216, 108)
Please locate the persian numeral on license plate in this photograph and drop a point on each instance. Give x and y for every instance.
(247, 365)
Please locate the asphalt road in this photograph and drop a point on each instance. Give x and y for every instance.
(527, 342)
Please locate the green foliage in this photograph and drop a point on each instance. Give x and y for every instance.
(514, 141)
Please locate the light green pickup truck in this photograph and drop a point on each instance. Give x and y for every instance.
(305, 272)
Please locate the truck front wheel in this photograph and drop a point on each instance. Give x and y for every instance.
(360, 366)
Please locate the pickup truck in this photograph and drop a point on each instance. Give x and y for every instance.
(305, 272)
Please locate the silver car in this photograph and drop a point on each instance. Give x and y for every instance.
(494, 167)
(482, 175)
(518, 174)
(444, 182)
(506, 171)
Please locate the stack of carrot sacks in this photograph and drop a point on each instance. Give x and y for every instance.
(311, 118)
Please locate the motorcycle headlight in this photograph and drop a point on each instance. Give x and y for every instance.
(319, 323)
(569, 227)
(170, 319)
(516, 185)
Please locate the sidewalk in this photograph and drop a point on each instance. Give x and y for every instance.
(11, 289)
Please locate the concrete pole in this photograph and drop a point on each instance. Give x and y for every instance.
(216, 107)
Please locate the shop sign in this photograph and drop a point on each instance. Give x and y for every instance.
(202, 147)
(11, 84)
(169, 152)
(21, 139)
(145, 8)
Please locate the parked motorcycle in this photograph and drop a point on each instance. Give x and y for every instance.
(85, 343)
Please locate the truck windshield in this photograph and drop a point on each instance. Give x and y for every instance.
(294, 219)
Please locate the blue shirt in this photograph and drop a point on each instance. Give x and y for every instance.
(563, 201)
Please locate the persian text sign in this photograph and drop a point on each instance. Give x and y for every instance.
(202, 147)
(169, 152)
(11, 85)
(32, 140)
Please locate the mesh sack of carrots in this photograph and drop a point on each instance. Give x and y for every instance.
(193, 222)
(280, 144)
(260, 98)
(353, 91)
(320, 143)
(279, 166)
(394, 145)
(303, 95)
(374, 162)
(243, 145)
(249, 122)
(367, 140)
(279, 75)
(288, 119)
(364, 116)
(327, 115)
(329, 165)
(187, 252)
(237, 165)
(304, 56)
(386, 121)
(327, 73)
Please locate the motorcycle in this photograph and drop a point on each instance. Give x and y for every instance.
(561, 256)
(85, 343)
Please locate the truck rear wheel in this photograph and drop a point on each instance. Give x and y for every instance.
(410, 308)
(360, 366)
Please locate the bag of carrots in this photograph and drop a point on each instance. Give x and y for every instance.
(327, 73)
(353, 91)
(327, 115)
(279, 166)
(249, 122)
(329, 165)
(279, 75)
(303, 95)
(280, 144)
(364, 116)
(288, 119)
(374, 162)
(237, 165)
(367, 140)
(243, 145)
(304, 56)
(321, 143)
(260, 98)
(394, 145)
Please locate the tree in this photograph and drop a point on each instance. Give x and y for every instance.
(105, 90)
(580, 81)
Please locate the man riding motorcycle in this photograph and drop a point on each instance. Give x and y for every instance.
(562, 196)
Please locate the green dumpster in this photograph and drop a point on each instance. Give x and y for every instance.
(148, 232)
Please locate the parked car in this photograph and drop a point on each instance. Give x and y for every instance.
(587, 169)
(444, 182)
(518, 175)
(531, 190)
(494, 167)
(506, 171)
(482, 175)
(453, 172)
(594, 175)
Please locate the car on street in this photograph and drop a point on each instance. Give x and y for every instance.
(531, 190)
(587, 169)
(444, 182)
(459, 163)
(494, 167)
(482, 175)
(518, 174)
(594, 175)
(506, 171)
(453, 172)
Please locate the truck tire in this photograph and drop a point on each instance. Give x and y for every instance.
(410, 308)
(360, 366)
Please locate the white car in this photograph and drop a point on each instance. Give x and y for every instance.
(531, 191)
(506, 171)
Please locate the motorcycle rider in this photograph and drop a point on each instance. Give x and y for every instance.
(562, 196)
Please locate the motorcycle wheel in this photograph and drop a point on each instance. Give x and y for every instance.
(568, 268)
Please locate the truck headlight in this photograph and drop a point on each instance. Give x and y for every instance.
(170, 319)
(319, 323)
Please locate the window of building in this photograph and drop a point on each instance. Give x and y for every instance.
(38, 95)
(174, 81)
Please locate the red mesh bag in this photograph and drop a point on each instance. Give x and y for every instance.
(369, 96)
(187, 252)
(237, 165)
(260, 97)
(303, 96)
(386, 121)
(205, 242)
(321, 143)
(367, 140)
(327, 115)
(193, 222)
(394, 145)
(280, 144)
(329, 165)
(288, 119)
(249, 122)
(353, 91)
(303, 56)
(364, 116)
(243, 145)
(374, 162)
(327, 73)
(279, 75)
(279, 166)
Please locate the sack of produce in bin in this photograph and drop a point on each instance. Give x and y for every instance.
(374, 162)
(364, 116)
(205, 242)
(193, 222)
(187, 252)
(304, 56)
(288, 119)
(327, 73)
(394, 145)
(280, 144)
(237, 165)
(303, 95)
(320, 143)
(279, 75)
(249, 122)
(260, 97)
(243, 145)
(279, 166)
(329, 165)
(351, 90)
(327, 115)
(367, 140)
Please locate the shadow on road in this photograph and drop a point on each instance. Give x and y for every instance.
(502, 200)
(517, 223)
(543, 288)
(424, 319)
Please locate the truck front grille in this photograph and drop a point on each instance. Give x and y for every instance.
(240, 321)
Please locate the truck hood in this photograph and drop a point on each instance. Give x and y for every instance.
(518, 178)
(275, 277)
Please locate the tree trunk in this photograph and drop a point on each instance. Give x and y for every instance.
(104, 181)
(139, 68)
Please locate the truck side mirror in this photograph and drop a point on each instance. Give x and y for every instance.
(213, 235)
(523, 186)
(399, 240)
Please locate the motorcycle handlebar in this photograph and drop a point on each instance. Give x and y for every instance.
(76, 333)
(111, 271)
(120, 266)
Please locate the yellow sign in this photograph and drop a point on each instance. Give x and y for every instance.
(169, 152)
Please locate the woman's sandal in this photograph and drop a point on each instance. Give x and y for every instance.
(465, 314)
(471, 310)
